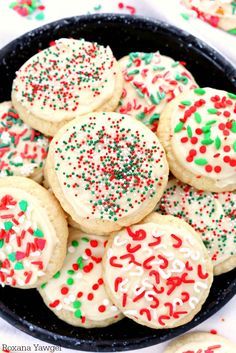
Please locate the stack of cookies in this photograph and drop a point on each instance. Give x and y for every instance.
(110, 233)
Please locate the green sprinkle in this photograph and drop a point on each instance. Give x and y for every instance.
(78, 313)
(23, 205)
(212, 111)
(232, 96)
(38, 233)
(175, 64)
(154, 100)
(179, 127)
(70, 281)
(8, 225)
(40, 16)
(77, 304)
(43, 285)
(185, 16)
(199, 91)
(232, 31)
(86, 240)
(197, 117)
(234, 147)
(134, 72)
(140, 116)
(189, 131)
(158, 68)
(57, 275)
(200, 161)
(19, 266)
(233, 128)
(211, 122)
(154, 117)
(217, 143)
(1, 243)
(75, 243)
(207, 141)
(12, 257)
(186, 103)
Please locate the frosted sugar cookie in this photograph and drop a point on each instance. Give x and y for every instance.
(201, 342)
(64, 81)
(218, 13)
(151, 80)
(33, 233)
(158, 272)
(211, 214)
(76, 294)
(107, 170)
(23, 150)
(198, 132)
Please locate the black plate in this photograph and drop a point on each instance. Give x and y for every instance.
(24, 308)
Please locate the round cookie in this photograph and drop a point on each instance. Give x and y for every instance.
(64, 81)
(76, 294)
(218, 13)
(198, 132)
(158, 272)
(23, 150)
(151, 80)
(107, 170)
(211, 214)
(201, 342)
(33, 233)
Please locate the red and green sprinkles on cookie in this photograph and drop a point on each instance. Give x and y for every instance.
(71, 290)
(22, 149)
(113, 163)
(215, 224)
(206, 129)
(59, 76)
(21, 244)
(151, 81)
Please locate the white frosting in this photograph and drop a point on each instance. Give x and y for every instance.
(108, 166)
(87, 289)
(219, 139)
(68, 79)
(35, 218)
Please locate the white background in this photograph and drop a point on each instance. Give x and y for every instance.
(12, 25)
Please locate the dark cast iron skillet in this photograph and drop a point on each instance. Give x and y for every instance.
(24, 309)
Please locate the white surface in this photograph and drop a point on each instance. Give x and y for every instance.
(12, 25)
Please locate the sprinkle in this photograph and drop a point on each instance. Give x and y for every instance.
(185, 16)
(179, 127)
(23, 205)
(212, 111)
(186, 103)
(198, 117)
(232, 96)
(200, 161)
(217, 143)
(200, 91)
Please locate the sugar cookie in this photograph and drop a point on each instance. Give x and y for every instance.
(158, 272)
(198, 132)
(76, 294)
(218, 13)
(64, 81)
(151, 80)
(33, 233)
(201, 342)
(211, 214)
(107, 170)
(23, 150)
